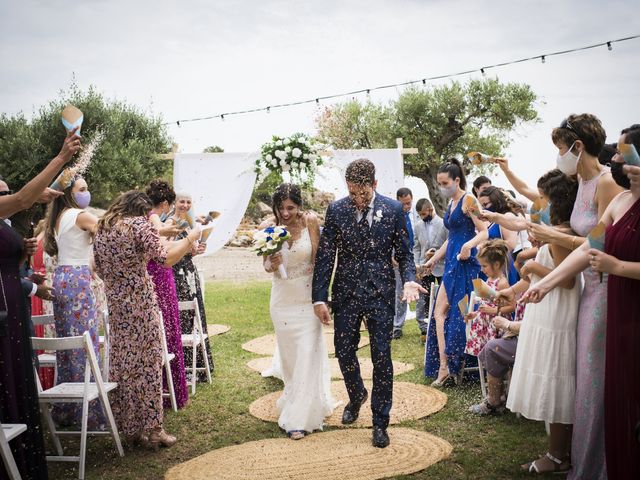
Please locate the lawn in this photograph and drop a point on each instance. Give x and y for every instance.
(218, 415)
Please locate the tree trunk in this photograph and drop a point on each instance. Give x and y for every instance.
(439, 202)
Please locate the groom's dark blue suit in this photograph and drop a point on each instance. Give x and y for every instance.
(364, 288)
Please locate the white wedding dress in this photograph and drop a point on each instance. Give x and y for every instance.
(304, 362)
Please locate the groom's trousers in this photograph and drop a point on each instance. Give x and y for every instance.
(378, 316)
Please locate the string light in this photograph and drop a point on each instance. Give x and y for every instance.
(268, 109)
(609, 45)
(222, 117)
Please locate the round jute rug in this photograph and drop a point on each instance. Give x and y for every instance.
(366, 367)
(410, 401)
(335, 455)
(266, 344)
(217, 329)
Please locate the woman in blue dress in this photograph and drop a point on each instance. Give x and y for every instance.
(494, 199)
(444, 357)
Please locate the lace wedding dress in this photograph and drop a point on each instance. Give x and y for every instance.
(304, 363)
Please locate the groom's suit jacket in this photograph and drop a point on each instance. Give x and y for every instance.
(364, 269)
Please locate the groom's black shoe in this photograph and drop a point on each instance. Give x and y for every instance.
(380, 437)
(352, 410)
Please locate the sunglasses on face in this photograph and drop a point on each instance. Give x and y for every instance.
(6, 192)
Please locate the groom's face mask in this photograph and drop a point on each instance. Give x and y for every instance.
(361, 195)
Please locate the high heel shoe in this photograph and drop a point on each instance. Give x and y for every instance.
(441, 381)
(158, 437)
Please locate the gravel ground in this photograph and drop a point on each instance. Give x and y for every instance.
(232, 264)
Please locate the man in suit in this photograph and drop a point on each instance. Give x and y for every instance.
(405, 197)
(363, 230)
(429, 235)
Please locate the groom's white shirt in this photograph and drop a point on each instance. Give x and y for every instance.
(358, 218)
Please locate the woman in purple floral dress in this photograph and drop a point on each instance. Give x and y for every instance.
(124, 243)
(162, 196)
(68, 236)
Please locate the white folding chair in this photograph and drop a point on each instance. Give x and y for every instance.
(167, 358)
(9, 431)
(105, 344)
(77, 392)
(46, 359)
(195, 341)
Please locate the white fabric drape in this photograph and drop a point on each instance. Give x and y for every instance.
(217, 181)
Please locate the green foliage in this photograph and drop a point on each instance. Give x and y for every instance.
(213, 149)
(442, 122)
(125, 160)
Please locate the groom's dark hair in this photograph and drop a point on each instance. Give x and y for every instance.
(361, 172)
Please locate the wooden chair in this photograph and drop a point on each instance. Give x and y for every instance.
(195, 341)
(9, 431)
(78, 392)
(167, 358)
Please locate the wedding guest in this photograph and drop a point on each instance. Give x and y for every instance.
(429, 235)
(579, 140)
(306, 400)
(621, 264)
(18, 394)
(162, 197)
(493, 257)
(480, 184)
(405, 197)
(68, 236)
(445, 344)
(494, 199)
(188, 288)
(124, 243)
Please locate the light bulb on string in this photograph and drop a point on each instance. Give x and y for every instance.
(543, 59)
(178, 122)
(609, 46)
(368, 95)
(268, 109)
(482, 72)
(222, 117)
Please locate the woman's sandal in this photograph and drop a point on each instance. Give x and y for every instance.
(485, 408)
(558, 466)
(296, 434)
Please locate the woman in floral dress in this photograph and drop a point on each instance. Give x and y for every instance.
(124, 243)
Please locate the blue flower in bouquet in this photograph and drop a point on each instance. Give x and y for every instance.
(270, 240)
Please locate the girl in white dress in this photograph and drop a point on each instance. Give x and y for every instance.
(306, 399)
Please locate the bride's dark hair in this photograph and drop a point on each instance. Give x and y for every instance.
(285, 191)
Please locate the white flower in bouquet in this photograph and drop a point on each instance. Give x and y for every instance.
(286, 167)
(281, 154)
(279, 143)
(294, 165)
(305, 156)
(313, 157)
(274, 162)
(287, 141)
(296, 152)
(283, 163)
(287, 149)
(268, 158)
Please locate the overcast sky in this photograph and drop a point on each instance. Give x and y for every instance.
(197, 58)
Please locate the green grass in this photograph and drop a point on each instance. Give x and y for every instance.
(218, 415)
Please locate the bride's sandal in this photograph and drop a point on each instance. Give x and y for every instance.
(554, 465)
(296, 434)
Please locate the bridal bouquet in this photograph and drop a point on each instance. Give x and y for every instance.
(297, 155)
(269, 241)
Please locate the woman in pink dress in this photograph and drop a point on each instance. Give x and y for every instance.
(124, 243)
(580, 139)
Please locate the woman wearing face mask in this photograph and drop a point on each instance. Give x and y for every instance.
(446, 343)
(580, 139)
(495, 200)
(188, 285)
(620, 262)
(162, 197)
(68, 236)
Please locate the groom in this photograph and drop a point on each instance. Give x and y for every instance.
(364, 230)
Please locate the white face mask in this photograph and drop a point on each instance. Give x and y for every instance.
(568, 163)
(448, 192)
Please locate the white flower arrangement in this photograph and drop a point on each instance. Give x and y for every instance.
(297, 155)
(269, 241)
(378, 215)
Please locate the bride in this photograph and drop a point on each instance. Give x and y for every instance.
(304, 363)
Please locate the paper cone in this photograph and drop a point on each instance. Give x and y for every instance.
(206, 231)
(189, 217)
(596, 237)
(463, 305)
(471, 205)
(540, 211)
(483, 290)
(72, 117)
(63, 180)
(629, 153)
(212, 216)
(478, 158)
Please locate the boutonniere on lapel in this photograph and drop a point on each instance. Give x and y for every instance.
(378, 216)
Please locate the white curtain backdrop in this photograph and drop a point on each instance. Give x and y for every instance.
(389, 171)
(217, 181)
